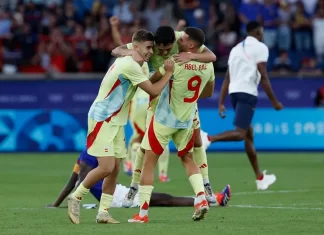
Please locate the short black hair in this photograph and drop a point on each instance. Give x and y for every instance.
(142, 35)
(164, 35)
(252, 26)
(196, 35)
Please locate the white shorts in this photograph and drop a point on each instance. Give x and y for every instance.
(119, 196)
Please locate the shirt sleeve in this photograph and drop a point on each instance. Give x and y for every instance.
(201, 48)
(76, 168)
(262, 54)
(178, 34)
(129, 46)
(162, 70)
(135, 73)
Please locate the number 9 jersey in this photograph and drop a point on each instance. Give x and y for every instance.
(177, 103)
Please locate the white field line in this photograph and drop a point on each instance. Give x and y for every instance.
(270, 206)
(271, 192)
(287, 207)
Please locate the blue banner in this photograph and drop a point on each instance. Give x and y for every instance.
(71, 95)
(57, 130)
(289, 129)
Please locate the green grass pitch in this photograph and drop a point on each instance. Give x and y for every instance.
(293, 205)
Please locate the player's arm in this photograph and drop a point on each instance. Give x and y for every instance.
(261, 60)
(205, 56)
(84, 170)
(122, 51)
(156, 77)
(127, 50)
(156, 88)
(266, 85)
(223, 93)
(114, 22)
(208, 90)
(67, 188)
(224, 89)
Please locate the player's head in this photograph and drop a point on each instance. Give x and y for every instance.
(143, 42)
(192, 40)
(255, 29)
(164, 40)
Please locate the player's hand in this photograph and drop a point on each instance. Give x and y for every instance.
(137, 57)
(181, 23)
(169, 66)
(277, 105)
(221, 111)
(114, 21)
(182, 57)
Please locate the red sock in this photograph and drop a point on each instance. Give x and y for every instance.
(260, 178)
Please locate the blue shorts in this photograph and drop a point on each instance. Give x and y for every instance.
(244, 105)
(88, 159)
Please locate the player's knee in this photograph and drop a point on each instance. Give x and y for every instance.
(106, 170)
(241, 133)
(186, 159)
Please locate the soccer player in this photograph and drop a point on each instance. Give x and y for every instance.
(173, 119)
(106, 120)
(166, 44)
(247, 66)
(86, 163)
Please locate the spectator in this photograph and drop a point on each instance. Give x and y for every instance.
(318, 34)
(284, 31)
(249, 10)
(310, 6)
(269, 17)
(282, 64)
(5, 24)
(123, 11)
(302, 28)
(309, 67)
(153, 15)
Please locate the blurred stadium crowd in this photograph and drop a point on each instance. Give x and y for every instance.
(76, 35)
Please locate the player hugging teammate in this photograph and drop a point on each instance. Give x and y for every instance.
(174, 89)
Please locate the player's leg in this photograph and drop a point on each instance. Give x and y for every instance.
(100, 144)
(105, 168)
(251, 152)
(184, 142)
(137, 168)
(200, 157)
(163, 165)
(156, 138)
(109, 183)
(244, 105)
(108, 189)
(263, 181)
(167, 200)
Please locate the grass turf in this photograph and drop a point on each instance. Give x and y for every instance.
(293, 205)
